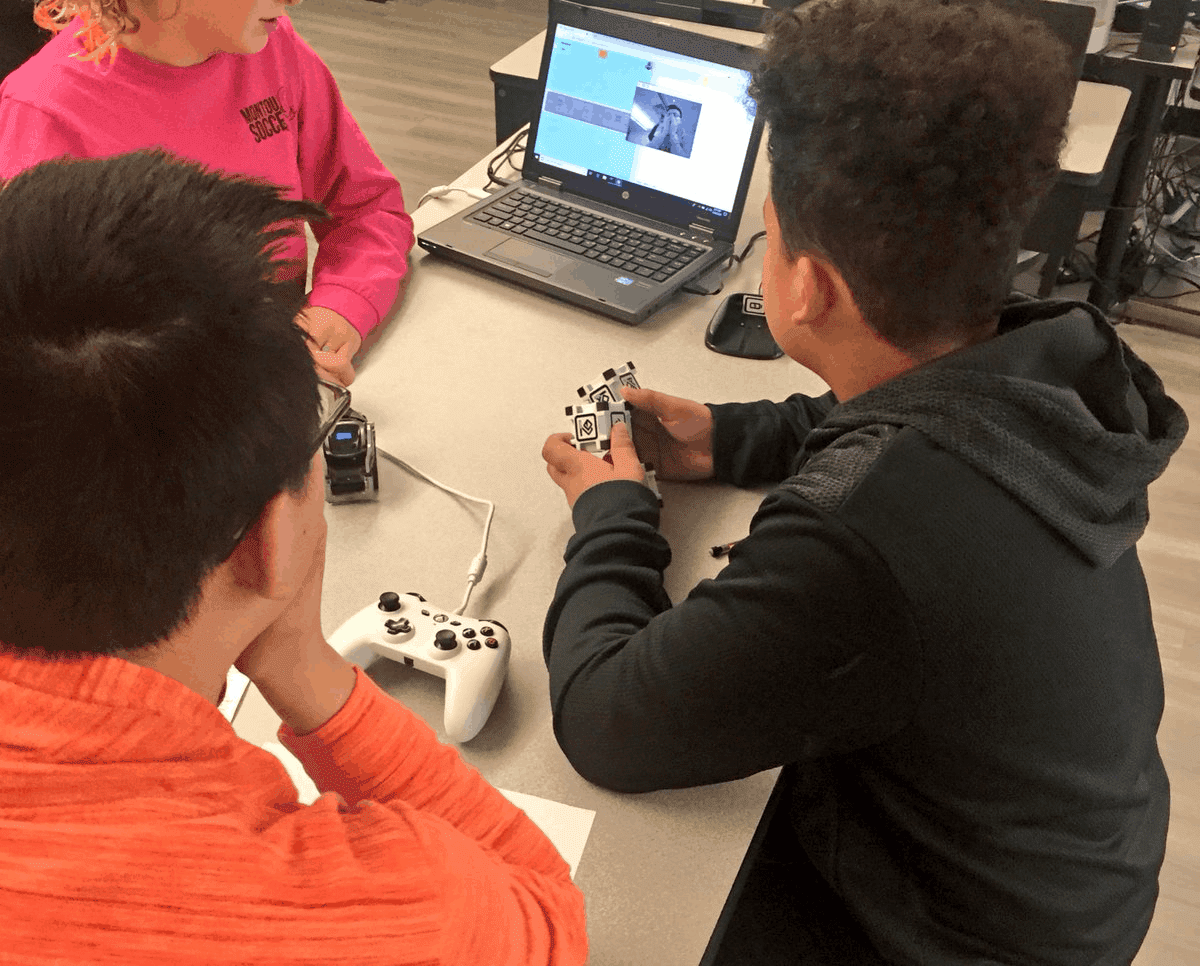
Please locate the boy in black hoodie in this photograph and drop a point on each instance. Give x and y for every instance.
(938, 623)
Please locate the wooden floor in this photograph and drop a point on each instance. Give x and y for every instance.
(1170, 553)
(415, 75)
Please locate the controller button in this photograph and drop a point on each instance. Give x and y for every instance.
(473, 645)
(445, 641)
(389, 602)
(440, 618)
(492, 642)
(486, 631)
(400, 626)
(456, 623)
(469, 632)
(425, 612)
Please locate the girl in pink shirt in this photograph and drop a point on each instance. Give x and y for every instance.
(227, 83)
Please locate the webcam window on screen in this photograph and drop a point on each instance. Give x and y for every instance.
(627, 112)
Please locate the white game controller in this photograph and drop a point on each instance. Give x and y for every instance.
(471, 655)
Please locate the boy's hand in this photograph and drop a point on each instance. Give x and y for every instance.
(333, 340)
(575, 471)
(304, 679)
(673, 435)
(296, 633)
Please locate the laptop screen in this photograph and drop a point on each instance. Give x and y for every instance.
(622, 113)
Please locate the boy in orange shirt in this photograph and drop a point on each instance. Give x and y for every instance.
(161, 519)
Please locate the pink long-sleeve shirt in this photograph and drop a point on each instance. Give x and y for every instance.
(275, 115)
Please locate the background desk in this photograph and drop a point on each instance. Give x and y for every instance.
(1095, 114)
(466, 383)
(1151, 83)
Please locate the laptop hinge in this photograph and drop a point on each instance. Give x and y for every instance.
(549, 181)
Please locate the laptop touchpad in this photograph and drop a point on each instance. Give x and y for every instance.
(528, 256)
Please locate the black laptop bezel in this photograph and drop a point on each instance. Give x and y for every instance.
(636, 200)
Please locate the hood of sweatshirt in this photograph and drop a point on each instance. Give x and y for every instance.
(1056, 409)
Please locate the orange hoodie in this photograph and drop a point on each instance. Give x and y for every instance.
(137, 828)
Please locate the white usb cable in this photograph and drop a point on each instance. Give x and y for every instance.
(444, 189)
(479, 564)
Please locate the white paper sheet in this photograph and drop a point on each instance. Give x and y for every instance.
(566, 826)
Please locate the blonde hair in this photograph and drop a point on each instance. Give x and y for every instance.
(103, 23)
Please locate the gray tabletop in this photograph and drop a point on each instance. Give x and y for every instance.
(469, 378)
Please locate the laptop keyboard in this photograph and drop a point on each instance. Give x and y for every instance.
(588, 235)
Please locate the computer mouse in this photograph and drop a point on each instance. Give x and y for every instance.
(739, 328)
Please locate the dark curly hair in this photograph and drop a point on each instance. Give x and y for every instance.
(910, 141)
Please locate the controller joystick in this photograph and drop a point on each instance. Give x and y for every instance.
(470, 655)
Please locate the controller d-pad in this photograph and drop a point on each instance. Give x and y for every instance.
(400, 626)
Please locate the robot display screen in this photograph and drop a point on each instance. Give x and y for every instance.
(630, 113)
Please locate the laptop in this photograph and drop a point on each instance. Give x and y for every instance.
(636, 167)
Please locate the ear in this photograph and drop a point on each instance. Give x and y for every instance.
(809, 296)
(263, 562)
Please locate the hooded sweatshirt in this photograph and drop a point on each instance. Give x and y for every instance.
(938, 624)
